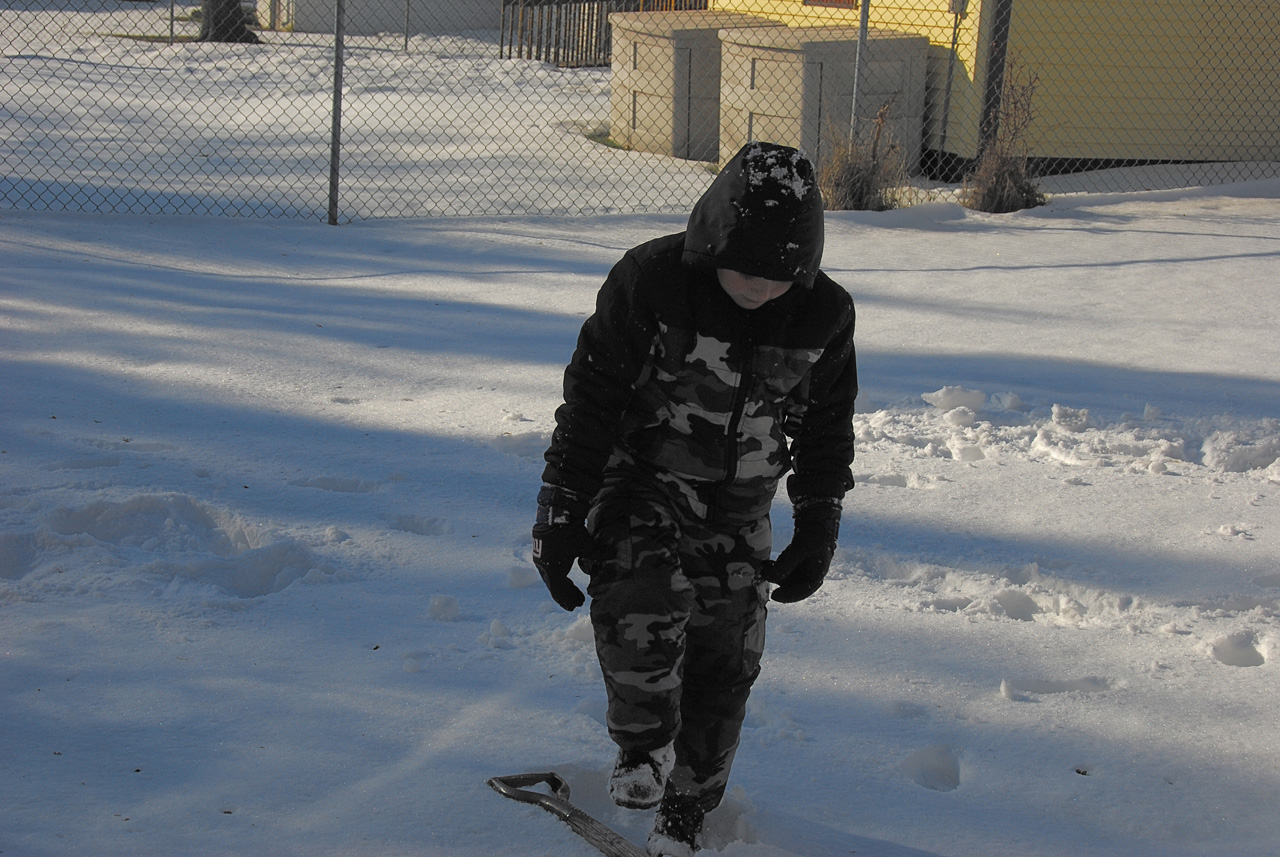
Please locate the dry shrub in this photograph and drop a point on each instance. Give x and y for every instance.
(863, 177)
(1001, 184)
(1002, 180)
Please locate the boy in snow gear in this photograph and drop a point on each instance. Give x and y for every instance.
(717, 360)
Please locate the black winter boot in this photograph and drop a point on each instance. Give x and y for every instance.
(676, 828)
(639, 777)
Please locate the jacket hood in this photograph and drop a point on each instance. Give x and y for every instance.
(761, 216)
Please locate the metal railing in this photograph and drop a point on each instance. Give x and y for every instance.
(571, 33)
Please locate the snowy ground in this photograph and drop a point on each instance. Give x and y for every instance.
(102, 122)
(265, 491)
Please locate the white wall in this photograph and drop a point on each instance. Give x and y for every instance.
(368, 17)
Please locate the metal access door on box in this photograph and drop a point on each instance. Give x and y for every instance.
(665, 87)
(795, 87)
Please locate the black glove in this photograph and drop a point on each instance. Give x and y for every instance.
(559, 537)
(802, 565)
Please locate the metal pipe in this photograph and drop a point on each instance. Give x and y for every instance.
(335, 139)
(863, 27)
(958, 8)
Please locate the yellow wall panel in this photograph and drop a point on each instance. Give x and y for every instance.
(1114, 78)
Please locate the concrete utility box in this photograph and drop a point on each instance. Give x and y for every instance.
(795, 87)
(665, 88)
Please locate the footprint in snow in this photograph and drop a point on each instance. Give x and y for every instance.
(524, 444)
(91, 463)
(339, 484)
(1238, 650)
(18, 553)
(949, 605)
(1017, 605)
(898, 480)
(420, 525)
(891, 480)
(415, 662)
(443, 608)
(936, 768)
(1018, 690)
(522, 577)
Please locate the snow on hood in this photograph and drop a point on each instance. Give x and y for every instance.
(762, 216)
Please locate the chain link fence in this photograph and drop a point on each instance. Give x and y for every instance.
(357, 109)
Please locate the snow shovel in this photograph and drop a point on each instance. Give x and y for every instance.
(595, 832)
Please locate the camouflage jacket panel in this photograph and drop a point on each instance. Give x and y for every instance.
(674, 378)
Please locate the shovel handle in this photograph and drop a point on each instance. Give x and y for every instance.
(516, 787)
(608, 842)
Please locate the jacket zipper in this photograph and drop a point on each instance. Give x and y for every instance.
(735, 417)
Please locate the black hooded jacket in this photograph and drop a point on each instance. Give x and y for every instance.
(674, 377)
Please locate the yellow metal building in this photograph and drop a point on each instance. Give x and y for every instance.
(1114, 80)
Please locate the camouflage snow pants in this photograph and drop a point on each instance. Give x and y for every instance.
(678, 607)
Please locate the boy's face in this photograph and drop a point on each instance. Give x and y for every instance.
(750, 292)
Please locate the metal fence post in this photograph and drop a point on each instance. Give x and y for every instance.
(335, 144)
(993, 93)
(958, 8)
(863, 27)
